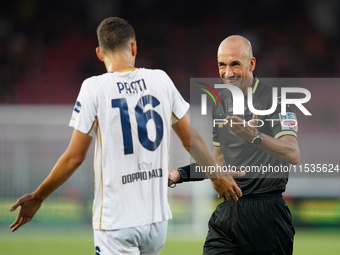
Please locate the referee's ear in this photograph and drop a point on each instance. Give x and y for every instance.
(99, 54)
(252, 64)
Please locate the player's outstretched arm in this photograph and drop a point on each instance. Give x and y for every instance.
(67, 164)
(197, 147)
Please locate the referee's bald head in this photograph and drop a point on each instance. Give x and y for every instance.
(237, 43)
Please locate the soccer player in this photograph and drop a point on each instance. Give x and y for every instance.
(260, 222)
(130, 111)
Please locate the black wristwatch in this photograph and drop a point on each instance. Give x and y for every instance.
(257, 139)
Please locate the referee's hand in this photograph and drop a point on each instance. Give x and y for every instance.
(227, 187)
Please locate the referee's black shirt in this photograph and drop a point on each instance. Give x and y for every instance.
(241, 153)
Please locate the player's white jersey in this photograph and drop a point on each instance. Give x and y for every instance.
(130, 114)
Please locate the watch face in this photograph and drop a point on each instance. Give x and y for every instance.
(257, 140)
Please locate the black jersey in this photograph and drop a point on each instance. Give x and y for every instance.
(241, 153)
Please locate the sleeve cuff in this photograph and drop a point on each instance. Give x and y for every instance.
(216, 144)
(283, 133)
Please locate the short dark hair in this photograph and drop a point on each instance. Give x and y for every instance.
(114, 33)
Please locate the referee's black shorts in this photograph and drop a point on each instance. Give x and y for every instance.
(258, 225)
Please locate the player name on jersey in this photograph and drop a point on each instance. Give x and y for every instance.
(141, 176)
(133, 87)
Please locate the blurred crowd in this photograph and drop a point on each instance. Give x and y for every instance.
(47, 48)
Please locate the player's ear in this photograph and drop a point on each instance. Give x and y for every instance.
(252, 64)
(134, 48)
(99, 54)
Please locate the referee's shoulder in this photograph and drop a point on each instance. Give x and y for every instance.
(264, 87)
(225, 94)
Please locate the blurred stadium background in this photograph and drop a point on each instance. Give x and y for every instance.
(47, 50)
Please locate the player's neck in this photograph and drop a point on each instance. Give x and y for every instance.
(118, 62)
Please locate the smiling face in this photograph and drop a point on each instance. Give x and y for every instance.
(236, 62)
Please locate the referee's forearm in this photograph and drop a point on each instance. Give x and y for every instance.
(284, 149)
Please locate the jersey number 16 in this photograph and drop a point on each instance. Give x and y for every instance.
(142, 119)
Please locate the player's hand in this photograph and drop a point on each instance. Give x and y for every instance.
(29, 206)
(244, 131)
(173, 176)
(227, 186)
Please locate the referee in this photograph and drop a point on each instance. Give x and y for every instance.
(259, 221)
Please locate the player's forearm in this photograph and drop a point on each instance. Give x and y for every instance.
(193, 142)
(284, 149)
(199, 150)
(62, 171)
(218, 156)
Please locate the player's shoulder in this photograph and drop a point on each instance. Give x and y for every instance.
(158, 77)
(95, 81)
(158, 72)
